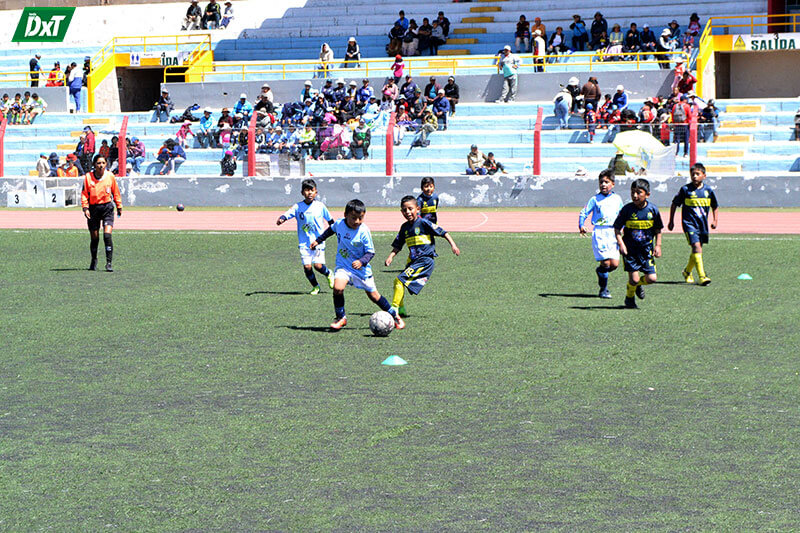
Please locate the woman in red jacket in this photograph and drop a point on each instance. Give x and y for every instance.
(99, 196)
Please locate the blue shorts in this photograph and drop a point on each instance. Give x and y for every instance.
(696, 236)
(416, 274)
(639, 262)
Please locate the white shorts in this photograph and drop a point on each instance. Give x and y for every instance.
(604, 243)
(357, 282)
(309, 256)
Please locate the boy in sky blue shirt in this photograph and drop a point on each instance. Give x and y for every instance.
(311, 216)
(603, 209)
(355, 251)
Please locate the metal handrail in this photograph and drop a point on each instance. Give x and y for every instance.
(784, 19)
(202, 41)
(411, 64)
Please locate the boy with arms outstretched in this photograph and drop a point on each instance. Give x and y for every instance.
(310, 215)
(695, 200)
(603, 207)
(419, 234)
(353, 255)
(641, 241)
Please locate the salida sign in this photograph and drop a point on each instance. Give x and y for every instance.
(767, 42)
(43, 24)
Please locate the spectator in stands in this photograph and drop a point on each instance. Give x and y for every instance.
(590, 119)
(599, 26)
(686, 82)
(647, 39)
(307, 92)
(87, 69)
(619, 165)
(574, 88)
(211, 16)
(492, 165)
(55, 78)
(37, 107)
(438, 37)
(615, 41)
(424, 33)
(339, 92)
(680, 131)
(35, 69)
(362, 138)
(522, 35)
(266, 94)
(228, 164)
(53, 162)
(352, 55)
(411, 40)
(441, 109)
(172, 156)
(390, 91)
(402, 21)
(647, 116)
(372, 109)
(193, 18)
(163, 107)
(87, 153)
(409, 89)
(692, 33)
(539, 47)
(557, 44)
(327, 90)
(68, 169)
(104, 149)
(113, 154)
(620, 98)
(428, 124)
(509, 64)
(243, 107)
(75, 83)
(579, 34)
(591, 92)
(675, 33)
(418, 106)
(476, 161)
(227, 15)
(42, 166)
(537, 25)
(183, 133)
(397, 68)
(451, 92)
(395, 45)
(325, 60)
(138, 154)
(364, 93)
(633, 42)
(444, 23)
(709, 122)
(664, 45)
(562, 102)
(431, 90)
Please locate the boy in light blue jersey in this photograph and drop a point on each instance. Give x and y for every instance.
(354, 253)
(311, 216)
(603, 207)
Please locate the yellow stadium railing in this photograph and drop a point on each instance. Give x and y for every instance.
(413, 65)
(24, 77)
(199, 43)
(750, 24)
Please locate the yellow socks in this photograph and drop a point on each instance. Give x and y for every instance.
(630, 290)
(399, 294)
(698, 260)
(690, 266)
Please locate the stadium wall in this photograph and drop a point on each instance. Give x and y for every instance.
(474, 88)
(56, 97)
(455, 190)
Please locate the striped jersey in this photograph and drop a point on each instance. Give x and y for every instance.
(428, 205)
(419, 235)
(639, 226)
(695, 204)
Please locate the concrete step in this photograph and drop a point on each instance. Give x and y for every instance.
(468, 31)
(485, 9)
(724, 153)
(477, 20)
(735, 138)
(463, 40)
(455, 52)
(728, 124)
(744, 108)
(723, 169)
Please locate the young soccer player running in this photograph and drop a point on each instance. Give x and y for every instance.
(641, 241)
(311, 216)
(603, 207)
(420, 235)
(428, 201)
(695, 200)
(99, 189)
(354, 253)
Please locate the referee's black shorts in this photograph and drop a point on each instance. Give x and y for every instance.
(101, 213)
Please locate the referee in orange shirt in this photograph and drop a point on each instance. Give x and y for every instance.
(99, 196)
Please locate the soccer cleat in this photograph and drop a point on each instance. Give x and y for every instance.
(640, 292)
(314, 291)
(630, 303)
(93, 265)
(705, 281)
(108, 267)
(330, 279)
(605, 293)
(687, 277)
(339, 324)
(399, 323)
(402, 311)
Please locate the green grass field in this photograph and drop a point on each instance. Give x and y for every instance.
(197, 388)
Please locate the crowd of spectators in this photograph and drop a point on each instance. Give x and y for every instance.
(23, 109)
(408, 38)
(211, 18)
(482, 164)
(533, 38)
(72, 77)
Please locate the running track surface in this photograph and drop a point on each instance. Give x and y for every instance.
(753, 222)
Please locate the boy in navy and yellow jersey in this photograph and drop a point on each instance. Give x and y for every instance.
(640, 241)
(419, 235)
(355, 251)
(428, 201)
(695, 200)
(99, 196)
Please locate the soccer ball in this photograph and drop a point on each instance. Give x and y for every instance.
(381, 323)
(179, 207)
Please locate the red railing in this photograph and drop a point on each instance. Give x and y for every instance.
(693, 139)
(122, 149)
(390, 144)
(2, 147)
(251, 146)
(537, 143)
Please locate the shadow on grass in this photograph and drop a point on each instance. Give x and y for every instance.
(310, 328)
(566, 295)
(593, 307)
(69, 269)
(284, 293)
(675, 283)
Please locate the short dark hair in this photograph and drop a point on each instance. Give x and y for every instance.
(97, 157)
(355, 206)
(642, 184)
(490, 154)
(427, 180)
(607, 173)
(408, 198)
(698, 166)
(308, 184)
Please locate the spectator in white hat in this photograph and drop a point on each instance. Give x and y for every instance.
(353, 54)
(509, 64)
(620, 98)
(244, 107)
(539, 49)
(205, 131)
